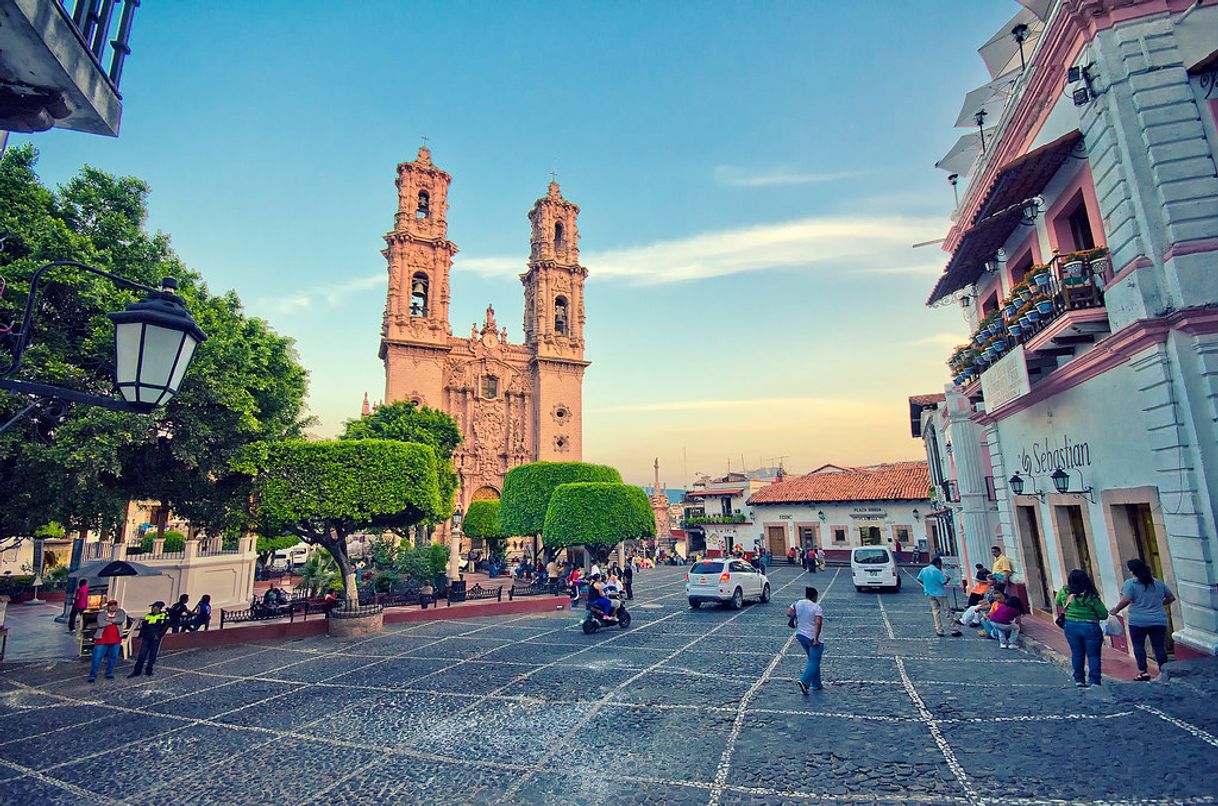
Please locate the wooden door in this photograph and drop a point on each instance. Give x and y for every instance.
(776, 539)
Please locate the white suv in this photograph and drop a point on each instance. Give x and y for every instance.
(726, 581)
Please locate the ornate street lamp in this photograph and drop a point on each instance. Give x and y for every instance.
(155, 340)
(1016, 483)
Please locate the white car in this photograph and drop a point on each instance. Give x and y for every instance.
(874, 567)
(726, 581)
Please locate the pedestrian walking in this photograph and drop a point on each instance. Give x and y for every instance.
(1145, 597)
(152, 629)
(107, 639)
(809, 621)
(820, 558)
(934, 584)
(80, 601)
(628, 580)
(178, 612)
(1082, 611)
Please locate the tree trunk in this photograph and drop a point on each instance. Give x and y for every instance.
(338, 550)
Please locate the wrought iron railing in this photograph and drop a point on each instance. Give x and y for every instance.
(92, 20)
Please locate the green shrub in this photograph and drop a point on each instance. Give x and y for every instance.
(597, 514)
(174, 541)
(437, 557)
(527, 490)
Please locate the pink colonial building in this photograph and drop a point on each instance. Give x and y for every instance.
(1080, 427)
(515, 402)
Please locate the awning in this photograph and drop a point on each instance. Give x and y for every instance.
(939, 514)
(1038, 7)
(714, 493)
(1019, 180)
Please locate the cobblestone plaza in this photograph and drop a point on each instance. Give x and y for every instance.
(687, 706)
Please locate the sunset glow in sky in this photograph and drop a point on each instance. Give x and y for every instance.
(752, 177)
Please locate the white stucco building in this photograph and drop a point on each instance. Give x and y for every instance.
(1083, 254)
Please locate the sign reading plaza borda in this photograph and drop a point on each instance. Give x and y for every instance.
(1049, 455)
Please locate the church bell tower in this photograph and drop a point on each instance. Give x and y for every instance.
(554, 326)
(420, 257)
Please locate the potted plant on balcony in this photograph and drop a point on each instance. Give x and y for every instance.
(1009, 306)
(1073, 267)
(1015, 327)
(1043, 303)
(1021, 293)
(1039, 276)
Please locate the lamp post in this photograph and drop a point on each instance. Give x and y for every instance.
(155, 340)
(454, 548)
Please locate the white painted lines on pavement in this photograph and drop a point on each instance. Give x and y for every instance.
(1204, 736)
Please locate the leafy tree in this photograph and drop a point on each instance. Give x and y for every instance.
(482, 522)
(597, 515)
(318, 574)
(406, 421)
(323, 492)
(245, 383)
(527, 490)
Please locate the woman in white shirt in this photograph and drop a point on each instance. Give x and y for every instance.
(809, 620)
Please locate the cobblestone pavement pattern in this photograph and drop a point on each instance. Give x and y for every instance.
(687, 706)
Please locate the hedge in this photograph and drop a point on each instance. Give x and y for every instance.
(597, 513)
(527, 490)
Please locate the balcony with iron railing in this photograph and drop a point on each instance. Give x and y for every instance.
(61, 62)
(1054, 314)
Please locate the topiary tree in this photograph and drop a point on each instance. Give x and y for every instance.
(598, 516)
(323, 492)
(527, 490)
(482, 521)
(174, 541)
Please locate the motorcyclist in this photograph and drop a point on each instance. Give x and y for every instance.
(596, 596)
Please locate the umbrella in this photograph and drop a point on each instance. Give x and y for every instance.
(1004, 52)
(989, 98)
(1038, 7)
(115, 568)
(962, 156)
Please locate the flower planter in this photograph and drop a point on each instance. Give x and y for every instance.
(1014, 329)
(1010, 311)
(1042, 279)
(1073, 269)
(1025, 320)
(1034, 315)
(1045, 308)
(356, 623)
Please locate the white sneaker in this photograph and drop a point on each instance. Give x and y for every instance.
(1002, 646)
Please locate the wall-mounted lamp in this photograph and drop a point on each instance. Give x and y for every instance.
(917, 515)
(1017, 485)
(1061, 483)
(821, 514)
(948, 447)
(953, 180)
(1032, 209)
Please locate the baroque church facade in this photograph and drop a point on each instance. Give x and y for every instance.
(515, 402)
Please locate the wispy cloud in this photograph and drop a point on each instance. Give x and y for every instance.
(854, 244)
(735, 176)
(331, 295)
(944, 340)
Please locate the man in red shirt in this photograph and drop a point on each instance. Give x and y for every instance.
(109, 636)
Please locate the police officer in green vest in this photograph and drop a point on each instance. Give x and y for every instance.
(152, 630)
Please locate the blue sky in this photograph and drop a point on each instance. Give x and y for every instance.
(752, 176)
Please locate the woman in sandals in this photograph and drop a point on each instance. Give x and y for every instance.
(1084, 610)
(1145, 597)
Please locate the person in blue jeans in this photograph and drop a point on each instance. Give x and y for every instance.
(107, 639)
(1084, 610)
(1145, 597)
(809, 620)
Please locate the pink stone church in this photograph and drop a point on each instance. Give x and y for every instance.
(515, 403)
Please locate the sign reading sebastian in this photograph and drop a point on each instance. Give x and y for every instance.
(1048, 455)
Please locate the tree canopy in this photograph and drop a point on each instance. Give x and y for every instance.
(322, 492)
(597, 514)
(527, 490)
(482, 520)
(244, 385)
(406, 421)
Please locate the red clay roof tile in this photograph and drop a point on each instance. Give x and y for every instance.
(899, 481)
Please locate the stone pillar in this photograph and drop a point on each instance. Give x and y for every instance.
(974, 507)
(158, 546)
(191, 549)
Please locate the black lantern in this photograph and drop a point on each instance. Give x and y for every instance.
(1061, 480)
(821, 514)
(457, 519)
(1016, 483)
(154, 341)
(917, 515)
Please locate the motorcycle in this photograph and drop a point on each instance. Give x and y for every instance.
(597, 618)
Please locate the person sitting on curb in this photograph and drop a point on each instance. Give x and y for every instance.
(1002, 569)
(152, 629)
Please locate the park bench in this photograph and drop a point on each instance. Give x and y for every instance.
(479, 592)
(551, 588)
